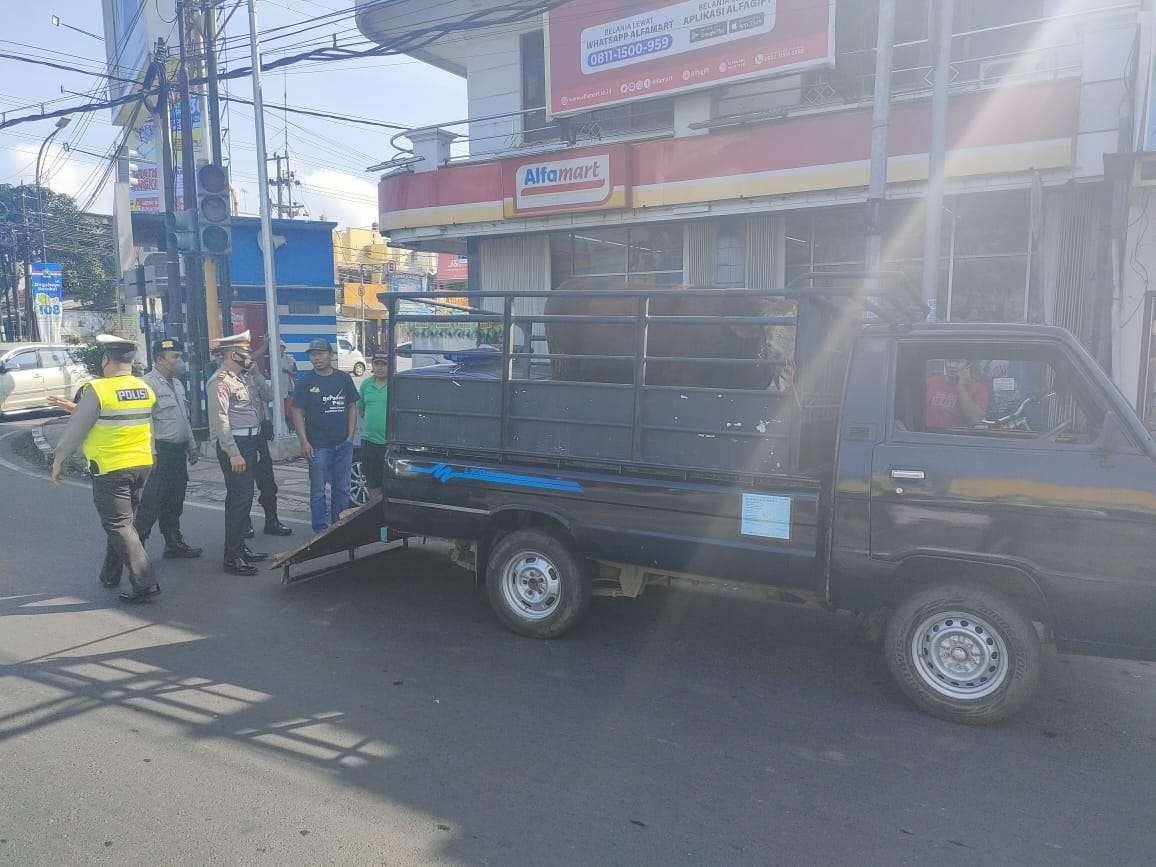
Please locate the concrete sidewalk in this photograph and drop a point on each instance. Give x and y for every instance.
(206, 482)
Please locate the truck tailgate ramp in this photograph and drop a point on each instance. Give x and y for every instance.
(356, 529)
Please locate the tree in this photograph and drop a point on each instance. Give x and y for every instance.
(84, 243)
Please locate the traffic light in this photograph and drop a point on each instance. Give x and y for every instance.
(216, 233)
(180, 228)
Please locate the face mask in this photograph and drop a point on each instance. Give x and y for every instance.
(244, 361)
(179, 368)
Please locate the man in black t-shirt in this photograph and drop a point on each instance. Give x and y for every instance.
(325, 418)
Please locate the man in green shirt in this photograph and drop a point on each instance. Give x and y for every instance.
(374, 392)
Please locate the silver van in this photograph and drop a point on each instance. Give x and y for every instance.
(30, 373)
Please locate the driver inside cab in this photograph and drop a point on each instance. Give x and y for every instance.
(953, 397)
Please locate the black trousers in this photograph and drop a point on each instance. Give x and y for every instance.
(163, 499)
(373, 464)
(238, 495)
(116, 496)
(266, 483)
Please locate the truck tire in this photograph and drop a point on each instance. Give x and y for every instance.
(963, 653)
(538, 585)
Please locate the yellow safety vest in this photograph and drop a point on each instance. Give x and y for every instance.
(122, 435)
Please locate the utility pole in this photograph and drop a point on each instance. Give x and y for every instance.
(216, 269)
(286, 180)
(274, 337)
(278, 184)
(880, 121)
(30, 330)
(936, 158)
(174, 313)
(195, 286)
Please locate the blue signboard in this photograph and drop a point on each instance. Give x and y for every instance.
(48, 298)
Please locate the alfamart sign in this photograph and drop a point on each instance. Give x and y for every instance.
(595, 179)
(564, 183)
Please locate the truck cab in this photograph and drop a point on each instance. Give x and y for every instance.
(1049, 497)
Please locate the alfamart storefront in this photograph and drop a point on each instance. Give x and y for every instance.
(759, 205)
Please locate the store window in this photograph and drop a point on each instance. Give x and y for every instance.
(647, 255)
(731, 268)
(988, 269)
(1147, 404)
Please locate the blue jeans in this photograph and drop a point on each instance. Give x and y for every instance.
(330, 466)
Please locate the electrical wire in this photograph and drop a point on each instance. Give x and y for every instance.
(407, 42)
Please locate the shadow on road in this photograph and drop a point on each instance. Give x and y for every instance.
(677, 728)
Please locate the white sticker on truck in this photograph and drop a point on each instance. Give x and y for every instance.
(767, 516)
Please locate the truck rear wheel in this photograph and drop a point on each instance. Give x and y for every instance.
(964, 654)
(538, 586)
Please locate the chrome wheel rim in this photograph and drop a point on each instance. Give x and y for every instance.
(531, 585)
(358, 492)
(960, 655)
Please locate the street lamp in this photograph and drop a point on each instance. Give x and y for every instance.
(61, 123)
(56, 22)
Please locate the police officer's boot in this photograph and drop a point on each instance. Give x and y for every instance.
(274, 527)
(177, 549)
(252, 556)
(238, 566)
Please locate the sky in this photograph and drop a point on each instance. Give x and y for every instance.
(329, 157)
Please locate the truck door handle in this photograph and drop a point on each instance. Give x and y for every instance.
(908, 475)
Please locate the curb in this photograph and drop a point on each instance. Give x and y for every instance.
(47, 452)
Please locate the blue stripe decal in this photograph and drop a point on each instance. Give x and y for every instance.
(307, 319)
(444, 473)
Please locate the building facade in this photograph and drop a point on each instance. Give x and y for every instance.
(750, 168)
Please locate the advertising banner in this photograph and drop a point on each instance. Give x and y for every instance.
(452, 268)
(145, 193)
(48, 297)
(401, 282)
(597, 56)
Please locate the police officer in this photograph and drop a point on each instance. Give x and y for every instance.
(113, 425)
(164, 493)
(263, 471)
(234, 427)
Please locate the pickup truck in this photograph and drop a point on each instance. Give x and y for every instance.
(973, 489)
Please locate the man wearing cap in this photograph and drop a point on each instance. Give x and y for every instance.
(374, 393)
(112, 423)
(173, 444)
(325, 418)
(234, 427)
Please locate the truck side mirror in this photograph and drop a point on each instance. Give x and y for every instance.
(1113, 439)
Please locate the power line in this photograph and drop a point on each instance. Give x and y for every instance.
(407, 42)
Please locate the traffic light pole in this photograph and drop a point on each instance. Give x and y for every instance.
(174, 319)
(274, 339)
(197, 344)
(218, 265)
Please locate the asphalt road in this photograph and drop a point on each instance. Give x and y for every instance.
(380, 715)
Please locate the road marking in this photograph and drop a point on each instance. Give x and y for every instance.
(198, 504)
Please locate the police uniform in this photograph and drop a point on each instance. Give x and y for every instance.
(163, 499)
(234, 428)
(112, 423)
(263, 471)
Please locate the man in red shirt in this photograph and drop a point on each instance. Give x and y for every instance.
(953, 399)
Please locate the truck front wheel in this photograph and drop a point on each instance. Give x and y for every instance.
(964, 654)
(538, 586)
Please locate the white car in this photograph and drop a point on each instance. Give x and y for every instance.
(349, 357)
(30, 373)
